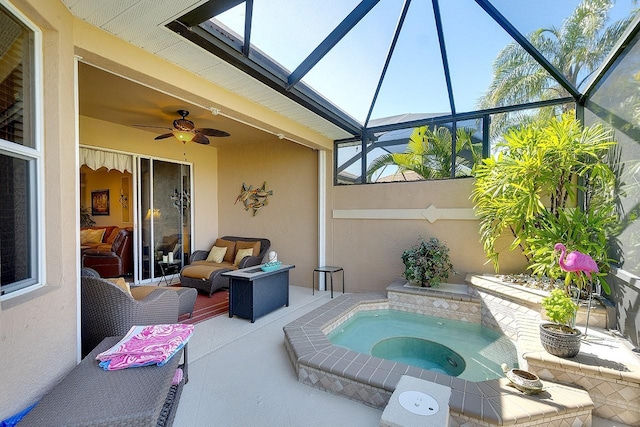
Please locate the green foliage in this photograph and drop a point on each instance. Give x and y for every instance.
(530, 189)
(559, 307)
(427, 263)
(576, 48)
(428, 154)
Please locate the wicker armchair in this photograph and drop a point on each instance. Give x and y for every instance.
(107, 310)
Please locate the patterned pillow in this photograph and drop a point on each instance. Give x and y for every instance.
(217, 254)
(241, 254)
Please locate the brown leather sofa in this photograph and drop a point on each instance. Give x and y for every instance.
(116, 261)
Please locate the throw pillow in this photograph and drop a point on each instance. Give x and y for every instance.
(122, 284)
(91, 235)
(241, 254)
(217, 254)
(231, 248)
(249, 245)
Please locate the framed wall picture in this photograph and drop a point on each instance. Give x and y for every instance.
(100, 202)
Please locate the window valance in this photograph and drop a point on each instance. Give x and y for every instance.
(96, 159)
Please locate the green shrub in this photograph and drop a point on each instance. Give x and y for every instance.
(531, 190)
(559, 307)
(427, 263)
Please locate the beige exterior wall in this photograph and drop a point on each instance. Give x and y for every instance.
(38, 340)
(370, 250)
(290, 220)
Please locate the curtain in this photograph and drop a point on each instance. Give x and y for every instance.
(95, 159)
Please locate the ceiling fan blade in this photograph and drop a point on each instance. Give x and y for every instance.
(200, 139)
(212, 132)
(150, 126)
(163, 136)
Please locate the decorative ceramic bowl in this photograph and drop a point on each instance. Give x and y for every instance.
(524, 381)
(270, 266)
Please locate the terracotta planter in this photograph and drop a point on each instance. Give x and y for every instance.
(563, 342)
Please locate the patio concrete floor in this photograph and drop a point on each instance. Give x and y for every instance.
(240, 375)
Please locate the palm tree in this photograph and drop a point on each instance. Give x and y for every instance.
(428, 154)
(576, 49)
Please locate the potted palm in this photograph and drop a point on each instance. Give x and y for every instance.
(427, 264)
(560, 338)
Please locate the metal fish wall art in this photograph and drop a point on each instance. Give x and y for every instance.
(254, 199)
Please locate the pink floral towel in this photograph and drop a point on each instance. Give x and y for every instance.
(146, 345)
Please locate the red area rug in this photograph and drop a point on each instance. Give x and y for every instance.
(206, 307)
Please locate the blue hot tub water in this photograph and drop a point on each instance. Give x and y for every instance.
(463, 349)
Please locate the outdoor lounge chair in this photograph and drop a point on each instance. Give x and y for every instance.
(108, 310)
(207, 276)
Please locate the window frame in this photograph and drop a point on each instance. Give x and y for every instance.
(35, 158)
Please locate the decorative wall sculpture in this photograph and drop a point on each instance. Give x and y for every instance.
(254, 199)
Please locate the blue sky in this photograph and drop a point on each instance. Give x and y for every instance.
(288, 31)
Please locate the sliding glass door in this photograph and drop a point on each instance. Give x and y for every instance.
(165, 217)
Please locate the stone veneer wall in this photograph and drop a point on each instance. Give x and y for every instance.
(434, 302)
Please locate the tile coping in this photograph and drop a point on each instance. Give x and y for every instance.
(492, 401)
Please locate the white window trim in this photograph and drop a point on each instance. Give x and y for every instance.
(36, 154)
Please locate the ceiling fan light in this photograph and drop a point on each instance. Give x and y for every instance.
(182, 136)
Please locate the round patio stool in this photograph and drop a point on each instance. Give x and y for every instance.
(326, 269)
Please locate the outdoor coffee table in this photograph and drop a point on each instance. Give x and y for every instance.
(254, 293)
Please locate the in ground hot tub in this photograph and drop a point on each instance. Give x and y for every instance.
(459, 349)
(422, 353)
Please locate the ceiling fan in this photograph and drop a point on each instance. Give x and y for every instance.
(184, 130)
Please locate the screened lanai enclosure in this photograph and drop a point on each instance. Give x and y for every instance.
(395, 65)
(425, 89)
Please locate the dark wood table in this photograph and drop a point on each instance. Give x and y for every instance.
(254, 293)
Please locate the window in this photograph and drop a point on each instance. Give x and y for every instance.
(20, 156)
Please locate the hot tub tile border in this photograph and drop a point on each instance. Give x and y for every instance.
(320, 364)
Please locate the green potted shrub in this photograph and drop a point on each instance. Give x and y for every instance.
(550, 182)
(427, 264)
(560, 338)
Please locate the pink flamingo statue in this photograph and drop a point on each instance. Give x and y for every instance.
(577, 262)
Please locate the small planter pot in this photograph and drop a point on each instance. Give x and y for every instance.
(560, 341)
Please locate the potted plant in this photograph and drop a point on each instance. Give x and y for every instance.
(427, 264)
(85, 218)
(560, 338)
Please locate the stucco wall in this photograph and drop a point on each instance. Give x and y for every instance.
(38, 342)
(370, 249)
(291, 217)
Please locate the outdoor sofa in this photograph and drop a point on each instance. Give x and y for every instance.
(205, 271)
